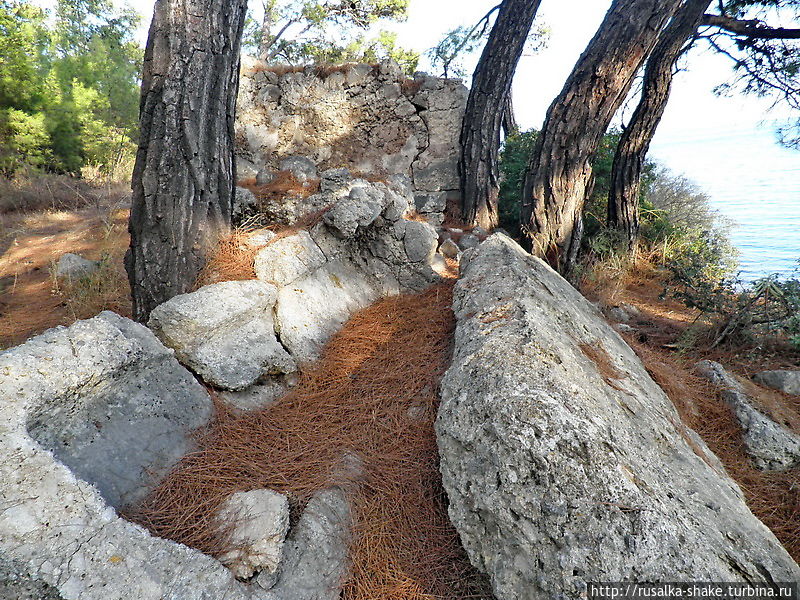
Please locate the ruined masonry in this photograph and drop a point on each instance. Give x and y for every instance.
(370, 119)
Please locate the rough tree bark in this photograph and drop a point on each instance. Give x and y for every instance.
(184, 177)
(480, 130)
(559, 170)
(626, 171)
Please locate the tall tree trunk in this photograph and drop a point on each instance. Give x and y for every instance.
(559, 170)
(510, 125)
(184, 177)
(626, 171)
(480, 130)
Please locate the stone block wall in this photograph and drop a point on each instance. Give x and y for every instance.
(371, 119)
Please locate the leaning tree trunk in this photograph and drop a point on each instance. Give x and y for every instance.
(480, 129)
(626, 171)
(559, 170)
(184, 177)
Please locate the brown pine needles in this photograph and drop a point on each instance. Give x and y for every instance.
(372, 395)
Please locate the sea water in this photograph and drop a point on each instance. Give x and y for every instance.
(752, 181)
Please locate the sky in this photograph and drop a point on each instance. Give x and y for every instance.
(725, 144)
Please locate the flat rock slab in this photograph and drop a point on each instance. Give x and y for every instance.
(66, 398)
(563, 461)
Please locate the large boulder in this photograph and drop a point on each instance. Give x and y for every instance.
(312, 309)
(783, 380)
(770, 446)
(107, 400)
(563, 461)
(225, 333)
(90, 417)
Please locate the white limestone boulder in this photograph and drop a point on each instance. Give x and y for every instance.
(225, 333)
(564, 463)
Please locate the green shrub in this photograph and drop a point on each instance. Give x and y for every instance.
(514, 159)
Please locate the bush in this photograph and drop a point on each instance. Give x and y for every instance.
(514, 159)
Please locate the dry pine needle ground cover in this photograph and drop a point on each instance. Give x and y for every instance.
(373, 395)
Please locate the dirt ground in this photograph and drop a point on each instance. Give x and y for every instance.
(31, 298)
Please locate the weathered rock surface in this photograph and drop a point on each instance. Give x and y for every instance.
(244, 204)
(73, 266)
(108, 400)
(224, 332)
(302, 168)
(783, 380)
(90, 414)
(259, 395)
(771, 446)
(370, 119)
(260, 520)
(316, 554)
(563, 461)
(16, 584)
(311, 310)
(363, 248)
(287, 259)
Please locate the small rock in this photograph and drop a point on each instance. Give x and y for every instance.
(260, 520)
(439, 264)
(428, 202)
(359, 209)
(257, 396)
(784, 381)
(449, 249)
(72, 266)
(244, 202)
(265, 176)
(259, 239)
(301, 167)
(619, 314)
(468, 241)
(420, 241)
(335, 181)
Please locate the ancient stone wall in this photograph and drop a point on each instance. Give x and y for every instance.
(370, 119)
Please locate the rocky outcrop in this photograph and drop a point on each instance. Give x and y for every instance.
(771, 446)
(90, 417)
(367, 118)
(225, 333)
(237, 334)
(563, 461)
(783, 380)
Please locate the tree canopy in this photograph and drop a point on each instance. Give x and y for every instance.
(68, 85)
(327, 31)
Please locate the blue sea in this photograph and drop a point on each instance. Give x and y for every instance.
(752, 181)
